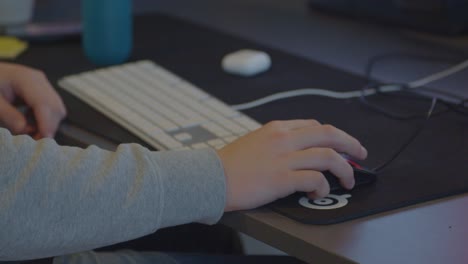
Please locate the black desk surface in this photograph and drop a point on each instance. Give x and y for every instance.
(431, 167)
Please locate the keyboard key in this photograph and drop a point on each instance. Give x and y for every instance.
(216, 142)
(221, 107)
(247, 122)
(230, 139)
(216, 129)
(200, 146)
(183, 137)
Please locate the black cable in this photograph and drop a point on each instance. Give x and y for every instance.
(459, 108)
(363, 99)
(371, 83)
(410, 139)
(443, 93)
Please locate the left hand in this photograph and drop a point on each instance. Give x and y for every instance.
(29, 87)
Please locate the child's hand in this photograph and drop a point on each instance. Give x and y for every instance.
(23, 85)
(284, 157)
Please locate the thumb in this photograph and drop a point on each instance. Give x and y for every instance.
(11, 118)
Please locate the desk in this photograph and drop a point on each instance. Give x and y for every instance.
(434, 232)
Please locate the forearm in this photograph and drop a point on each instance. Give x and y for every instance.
(56, 200)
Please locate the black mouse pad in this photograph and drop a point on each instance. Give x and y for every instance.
(435, 165)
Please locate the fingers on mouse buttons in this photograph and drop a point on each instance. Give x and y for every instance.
(246, 62)
(354, 164)
(362, 175)
(357, 166)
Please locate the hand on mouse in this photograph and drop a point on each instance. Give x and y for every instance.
(284, 157)
(21, 85)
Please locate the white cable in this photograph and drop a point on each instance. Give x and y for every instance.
(439, 75)
(314, 91)
(351, 94)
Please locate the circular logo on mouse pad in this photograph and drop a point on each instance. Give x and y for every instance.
(331, 201)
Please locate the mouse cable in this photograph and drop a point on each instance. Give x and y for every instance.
(410, 139)
(447, 106)
(459, 107)
(355, 93)
(417, 94)
(397, 115)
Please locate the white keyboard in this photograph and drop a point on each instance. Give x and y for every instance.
(161, 108)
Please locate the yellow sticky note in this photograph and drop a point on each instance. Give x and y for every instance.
(11, 47)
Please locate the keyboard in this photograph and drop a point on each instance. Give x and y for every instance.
(161, 108)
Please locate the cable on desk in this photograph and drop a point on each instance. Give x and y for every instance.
(386, 88)
(312, 91)
(409, 87)
(459, 108)
(411, 138)
(398, 116)
(439, 75)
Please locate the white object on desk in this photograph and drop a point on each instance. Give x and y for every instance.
(246, 62)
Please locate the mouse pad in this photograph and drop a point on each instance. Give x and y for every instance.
(433, 166)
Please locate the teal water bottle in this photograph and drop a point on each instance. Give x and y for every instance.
(107, 30)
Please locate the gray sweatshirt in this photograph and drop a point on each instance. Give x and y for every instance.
(56, 200)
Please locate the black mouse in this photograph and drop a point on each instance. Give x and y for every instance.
(362, 177)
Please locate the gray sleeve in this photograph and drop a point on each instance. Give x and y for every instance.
(56, 200)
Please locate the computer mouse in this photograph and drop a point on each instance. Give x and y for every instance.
(362, 176)
(246, 62)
